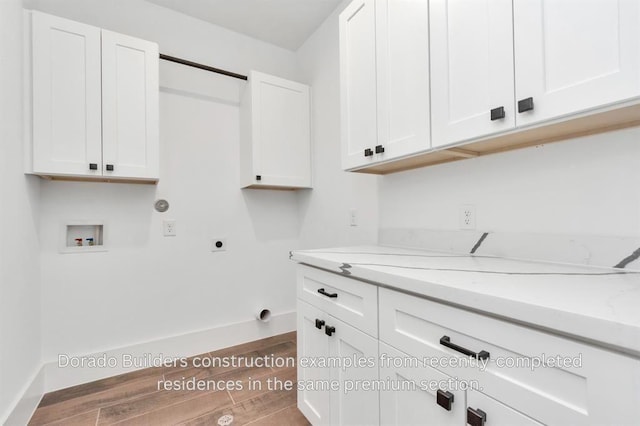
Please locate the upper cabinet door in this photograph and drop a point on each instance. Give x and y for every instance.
(358, 83)
(66, 96)
(281, 131)
(402, 37)
(129, 106)
(471, 69)
(573, 55)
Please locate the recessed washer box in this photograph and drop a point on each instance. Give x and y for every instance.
(83, 237)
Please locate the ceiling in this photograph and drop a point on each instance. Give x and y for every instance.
(285, 23)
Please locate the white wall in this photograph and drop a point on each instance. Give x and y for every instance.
(585, 186)
(324, 212)
(147, 286)
(20, 354)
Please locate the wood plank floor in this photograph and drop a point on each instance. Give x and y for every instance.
(143, 398)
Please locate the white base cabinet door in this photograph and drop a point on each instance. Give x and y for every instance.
(416, 394)
(337, 365)
(355, 403)
(66, 96)
(313, 344)
(573, 55)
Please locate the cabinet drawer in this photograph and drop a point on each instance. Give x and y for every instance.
(349, 300)
(565, 394)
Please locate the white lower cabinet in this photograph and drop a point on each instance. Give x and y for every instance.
(330, 391)
(443, 365)
(416, 394)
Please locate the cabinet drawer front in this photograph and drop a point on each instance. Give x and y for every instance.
(352, 301)
(555, 395)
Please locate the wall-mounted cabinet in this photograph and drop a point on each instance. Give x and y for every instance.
(275, 147)
(92, 102)
(480, 87)
(384, 80)
(504, 75)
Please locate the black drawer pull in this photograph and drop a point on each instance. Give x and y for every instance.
(258, 177)
(446, 341)
(379, 149)
(497, 113)
(110, 167)
(368, 152)
(93, 166)
(476, 417)
(329, 330)
(319, 323)
(525, 105)
(444, 399)
(323, 292)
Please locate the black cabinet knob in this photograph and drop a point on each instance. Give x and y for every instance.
(497, 113)
(525, 105)
(368, 152)
(319, 323)
(258, 177)
(329, 330)
(109, 167)
(476, 417)
(93, 166)
(379, 149)
(444, 399)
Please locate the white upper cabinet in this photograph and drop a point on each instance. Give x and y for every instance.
(497, 64)
(67, 129)
(276, 137)
(358, 82)
(384, 80)
(94, 102)
(129, 106)
(573, 55)
(403, 76)
(472, 80)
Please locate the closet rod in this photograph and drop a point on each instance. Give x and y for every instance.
(202, 67)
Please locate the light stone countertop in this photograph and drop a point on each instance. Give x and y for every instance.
(597, 305)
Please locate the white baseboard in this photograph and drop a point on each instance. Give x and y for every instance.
(26, 404)
(51, 377)
(184, 345)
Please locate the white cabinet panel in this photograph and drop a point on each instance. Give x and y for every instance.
(348, 343)
(471, 68)
(276, 133)
(495, 413)
(358, 82)
(411, 399)
(384, 80)
(129, 106)
(313, 401)
(67, 131)
(573, 55)
(403, 77)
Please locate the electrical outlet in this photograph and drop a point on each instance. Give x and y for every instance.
(219, 244)
(467, 216)
(353, 217)
(169, 227)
